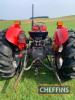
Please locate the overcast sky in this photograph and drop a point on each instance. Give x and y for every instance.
(21, 9)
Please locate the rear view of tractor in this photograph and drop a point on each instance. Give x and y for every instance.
(19, 54)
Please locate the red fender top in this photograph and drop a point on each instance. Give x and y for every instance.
(12, 35)
(61, 36)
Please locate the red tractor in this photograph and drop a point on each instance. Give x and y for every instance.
(15, 54)
(16, 51)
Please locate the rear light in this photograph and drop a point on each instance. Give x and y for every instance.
(22, 41)
(22, 38)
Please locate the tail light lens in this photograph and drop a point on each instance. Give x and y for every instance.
(22, 41)
(22, 38)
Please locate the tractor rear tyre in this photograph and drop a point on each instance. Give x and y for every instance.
(67, 70)
(7, 70)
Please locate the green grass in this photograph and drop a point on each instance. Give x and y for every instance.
(28, 86)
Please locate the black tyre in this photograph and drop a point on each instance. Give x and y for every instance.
(1, 35)
(7, 70)
(67, 70)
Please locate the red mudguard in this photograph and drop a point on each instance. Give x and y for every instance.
(61, 36)
(12, 35)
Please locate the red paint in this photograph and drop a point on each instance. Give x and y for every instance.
(61, 36)
(41, 28)
(12, 35)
